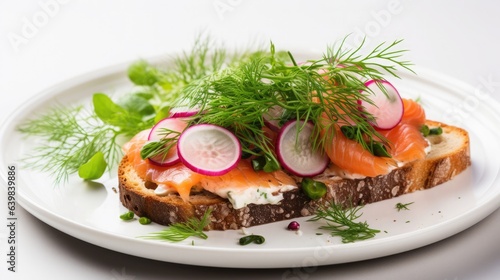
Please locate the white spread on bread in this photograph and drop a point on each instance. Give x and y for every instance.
(240, 198)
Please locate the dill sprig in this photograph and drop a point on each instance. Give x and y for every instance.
(176, 232)
(205, 58)
(324, 91)
(341, 221)
(69, 136)
(161, 147)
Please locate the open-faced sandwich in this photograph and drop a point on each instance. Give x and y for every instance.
(267, 139)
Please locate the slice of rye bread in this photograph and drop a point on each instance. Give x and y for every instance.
(449, 155)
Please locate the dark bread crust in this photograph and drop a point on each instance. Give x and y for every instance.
(450, 155)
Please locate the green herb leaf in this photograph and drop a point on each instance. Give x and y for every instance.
(94, 168)
(265, 163)
(128, 120)
(107, 110)
(137, 104)
(141, 73)
(378, 149)
(162, 113)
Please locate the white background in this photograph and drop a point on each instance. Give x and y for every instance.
(46, 42)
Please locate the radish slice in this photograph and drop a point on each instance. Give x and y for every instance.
(209, 149)
(273, 117)
(183, 112)
(295, 151)
(160, 131)
(387, 110)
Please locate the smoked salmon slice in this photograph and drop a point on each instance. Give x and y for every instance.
(406, 144)
(350, 156)
(413, 114)
(406, 140)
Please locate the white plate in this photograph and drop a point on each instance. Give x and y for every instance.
(91, 212)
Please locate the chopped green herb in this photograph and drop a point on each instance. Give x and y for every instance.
(426, 131)
(263, 194)
(127, 216)
(257, 239)
(400, 206)
(144, 220)
(436, 131)
(313, 189)
(141, 73)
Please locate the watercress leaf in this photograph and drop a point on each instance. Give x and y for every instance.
(146, 92)
(271, 164)
(136, 104)
(113, 114)
(145, 95)
(141, 73)
(379, 150)
(162, 113)
(107, 110)
(94, 168)
(165, 85)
